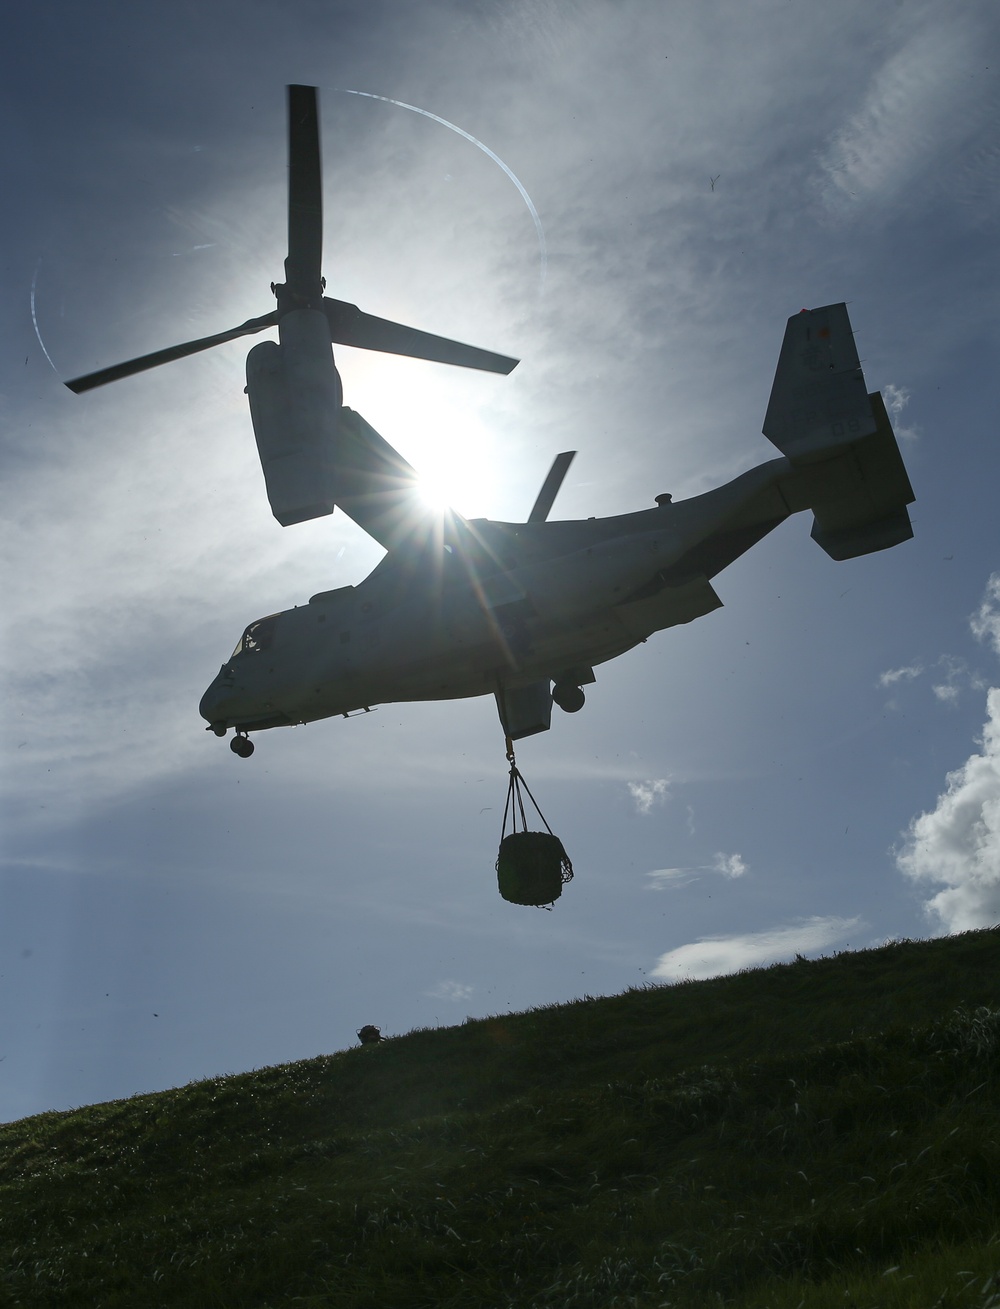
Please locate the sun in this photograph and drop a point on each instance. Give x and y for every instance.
(454, 475)
(441, 435)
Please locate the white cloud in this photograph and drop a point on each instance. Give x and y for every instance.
(729, 865)
(916, 111)
(954, 673)
(714, 956)
(896, 399)
(985, 622)
(649, 793)
(957, 675)
(958, 842)
(894, 675)
(663, 878)
(450, 990)
(947, 693)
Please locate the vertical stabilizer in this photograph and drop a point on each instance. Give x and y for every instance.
(819, 400)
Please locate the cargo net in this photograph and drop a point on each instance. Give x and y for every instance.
(532, 867)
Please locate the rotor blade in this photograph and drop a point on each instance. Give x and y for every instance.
(305, 194)
(144, 362)
(550, 487)
(351, 326)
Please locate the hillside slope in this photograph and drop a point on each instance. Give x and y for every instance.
(818, 1133)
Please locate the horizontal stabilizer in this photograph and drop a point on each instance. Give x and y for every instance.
(871, 515)
(819, 400)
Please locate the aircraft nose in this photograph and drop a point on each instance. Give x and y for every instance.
(212, 706)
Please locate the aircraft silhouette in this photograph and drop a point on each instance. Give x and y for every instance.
(523, 611)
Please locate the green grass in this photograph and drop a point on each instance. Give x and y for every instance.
(814, 1134)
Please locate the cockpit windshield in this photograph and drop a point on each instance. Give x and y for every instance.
(258, 636)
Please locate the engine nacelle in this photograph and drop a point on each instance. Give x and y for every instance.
(295, 399)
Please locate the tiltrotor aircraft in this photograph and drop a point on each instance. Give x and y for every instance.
(523, 611)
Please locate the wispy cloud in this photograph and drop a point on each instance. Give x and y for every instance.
(894, 675)
(957, 677)
(953, 675)
(727, 865)
(652, 792)
(946, 692)
(985, 622)
(451, 990)
(713, 956)
(896, 399)
(916, 109)
(663, 879)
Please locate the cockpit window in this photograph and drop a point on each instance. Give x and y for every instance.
(258, 636)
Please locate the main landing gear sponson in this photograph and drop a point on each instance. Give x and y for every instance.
(568, 697)
(241, 745)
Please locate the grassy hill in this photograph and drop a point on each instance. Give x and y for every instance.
(821, 1133)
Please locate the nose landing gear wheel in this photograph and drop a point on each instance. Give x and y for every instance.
(569, 698)
(241, 745)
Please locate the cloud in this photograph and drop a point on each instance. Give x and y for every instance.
(896, 399)
(985, 622)
(958, 842)
(662, 878)
(916, 113)
(649, 793)
(956, 675)
(728, 865)
(450, 990)
(947, 693)
(894, 675)
(714, 956)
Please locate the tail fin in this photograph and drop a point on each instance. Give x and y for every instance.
(838, 438)
(819, 400)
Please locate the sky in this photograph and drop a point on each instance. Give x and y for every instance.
(636, 197)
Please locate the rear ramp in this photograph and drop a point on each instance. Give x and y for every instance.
(525, 710)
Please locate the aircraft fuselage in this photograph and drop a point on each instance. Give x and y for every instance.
(485, 605)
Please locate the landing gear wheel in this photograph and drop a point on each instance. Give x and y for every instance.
(569, 698)
(241, 745)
